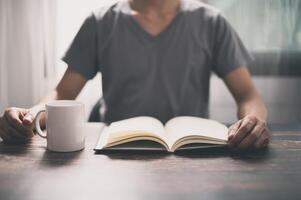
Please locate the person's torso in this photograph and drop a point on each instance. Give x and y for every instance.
(161, 76)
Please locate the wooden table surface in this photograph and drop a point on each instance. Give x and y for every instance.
(31, 172)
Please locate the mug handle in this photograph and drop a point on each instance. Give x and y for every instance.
(37, 124)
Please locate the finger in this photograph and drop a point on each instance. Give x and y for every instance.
(253, 136)
(263, 140)
(17, 129)
(15, 134)
(13, 118)
(233, 129)
(246, 126)
(28, 119)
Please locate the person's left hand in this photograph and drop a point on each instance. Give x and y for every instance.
(249, 132)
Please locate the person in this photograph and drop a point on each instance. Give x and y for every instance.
(156, 57)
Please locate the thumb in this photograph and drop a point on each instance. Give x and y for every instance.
(233, 129)
(28, 119)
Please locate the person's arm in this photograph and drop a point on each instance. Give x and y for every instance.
(16, 124)
(68, 88)
(251, 129)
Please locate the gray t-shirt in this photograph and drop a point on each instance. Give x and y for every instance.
(161, 76)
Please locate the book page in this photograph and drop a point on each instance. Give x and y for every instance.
(180, 127)
(135, 127)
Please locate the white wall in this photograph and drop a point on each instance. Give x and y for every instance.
(282, 96)
(3, 79)
(27, 50)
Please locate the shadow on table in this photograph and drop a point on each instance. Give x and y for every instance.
(57, 159)
(14, 149)
(133, 154)
(217, 152)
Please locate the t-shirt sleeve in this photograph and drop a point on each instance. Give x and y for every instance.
(229, 52)
(82, 53)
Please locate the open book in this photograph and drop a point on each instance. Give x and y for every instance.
(147, 133)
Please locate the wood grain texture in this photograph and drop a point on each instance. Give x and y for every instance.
(31, 172)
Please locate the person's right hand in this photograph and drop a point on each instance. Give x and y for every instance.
(16, 125)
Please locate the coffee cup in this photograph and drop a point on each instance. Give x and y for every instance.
(65, 123)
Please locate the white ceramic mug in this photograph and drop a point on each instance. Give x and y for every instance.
(65, 121)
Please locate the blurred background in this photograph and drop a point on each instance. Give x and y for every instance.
(34, 34)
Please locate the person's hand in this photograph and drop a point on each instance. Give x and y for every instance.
(16, 125)
(249, 132)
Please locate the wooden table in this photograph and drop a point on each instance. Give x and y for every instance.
(30, 172)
